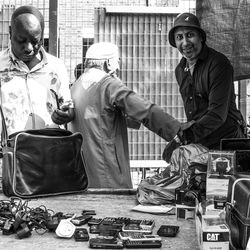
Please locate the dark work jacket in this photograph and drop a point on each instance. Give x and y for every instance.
(209, 99)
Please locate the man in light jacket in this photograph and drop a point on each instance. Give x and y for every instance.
(30, 77)
(103, 105)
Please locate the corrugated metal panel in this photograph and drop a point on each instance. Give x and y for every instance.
(5, 16)
(147, 67)
(7, 8)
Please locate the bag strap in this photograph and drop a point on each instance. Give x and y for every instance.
(159, 190)
(4, 132)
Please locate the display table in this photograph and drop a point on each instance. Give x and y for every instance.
(113, 204)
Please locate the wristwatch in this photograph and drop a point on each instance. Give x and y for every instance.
(177, 139)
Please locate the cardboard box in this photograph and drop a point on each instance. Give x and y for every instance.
(216, 193)
(212, 232)
(221, 165)
(185, 212)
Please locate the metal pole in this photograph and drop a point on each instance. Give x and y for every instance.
(242, 101)
(53, 27)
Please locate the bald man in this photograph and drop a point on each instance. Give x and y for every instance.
(34, 84)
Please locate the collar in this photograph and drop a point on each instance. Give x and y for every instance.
(92, 75)
(15, 60)
(201, 57)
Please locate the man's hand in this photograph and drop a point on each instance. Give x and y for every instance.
(63, 115)
(171, 146)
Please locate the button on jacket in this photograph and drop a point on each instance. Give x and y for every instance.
(209, 98)
(101, 108)
(26, 99)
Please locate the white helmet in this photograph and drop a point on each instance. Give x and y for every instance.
(102, 50)
(105, 51)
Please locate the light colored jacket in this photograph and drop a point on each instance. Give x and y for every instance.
(102, 104)
(25, 95)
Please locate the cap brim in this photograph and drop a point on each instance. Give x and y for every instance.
(172, 30)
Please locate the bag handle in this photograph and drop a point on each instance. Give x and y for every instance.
(234, 227)
(4, 132)
(233, 187)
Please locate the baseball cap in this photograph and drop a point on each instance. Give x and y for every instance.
(185, 20)
(102, 50)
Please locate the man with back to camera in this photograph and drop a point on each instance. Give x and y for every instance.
(205, 79)
(102, 105)
(30, 77)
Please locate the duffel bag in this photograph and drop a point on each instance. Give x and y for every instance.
(42, 162)
(186, 161)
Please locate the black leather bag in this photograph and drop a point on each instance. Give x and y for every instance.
(42, 162)
(238, 210)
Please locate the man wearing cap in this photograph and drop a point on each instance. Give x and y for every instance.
(103, 105)
(205, 79)
(30, 77)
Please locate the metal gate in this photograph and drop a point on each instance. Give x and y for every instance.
(7, 7)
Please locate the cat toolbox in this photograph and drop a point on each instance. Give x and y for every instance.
(238, 210)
